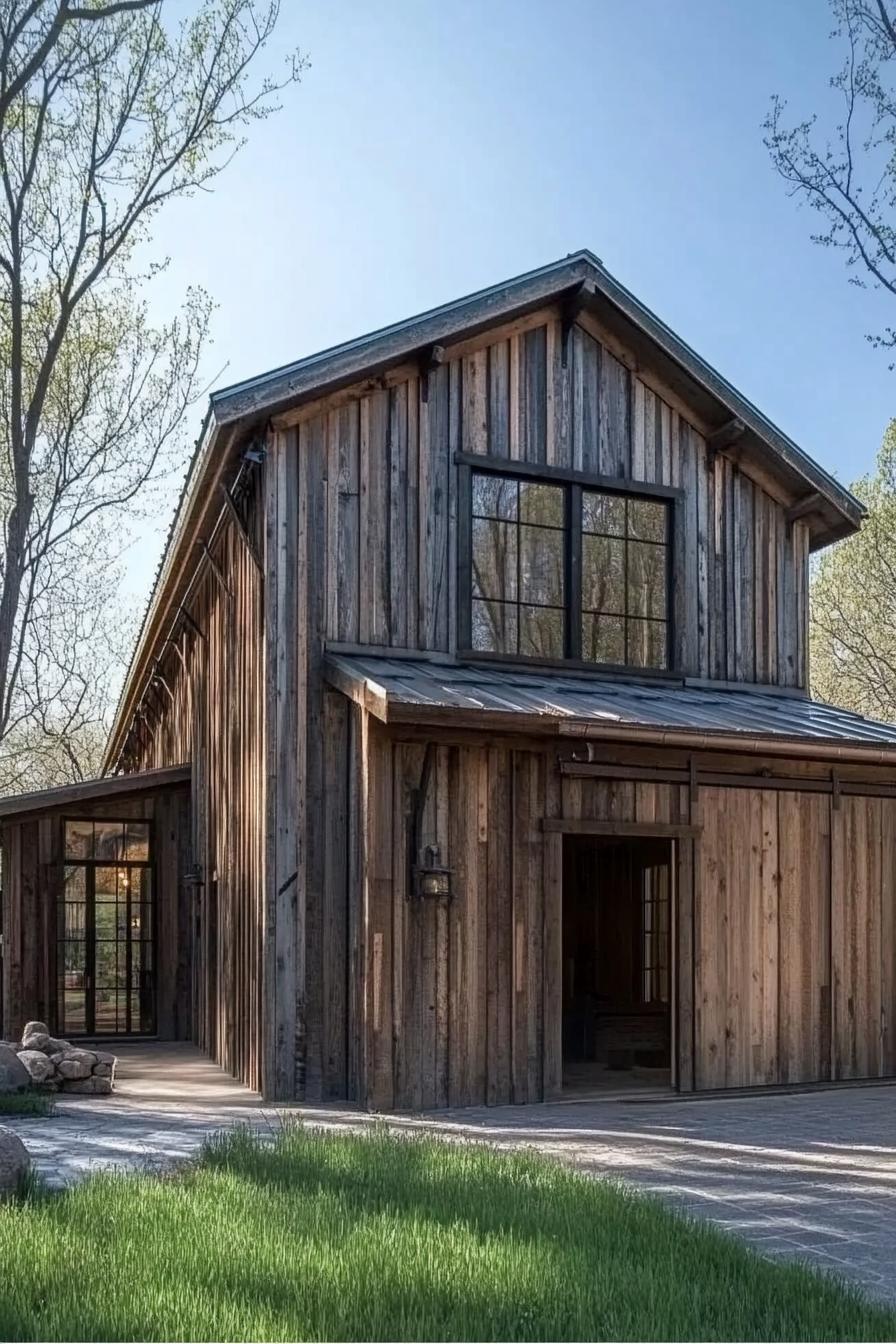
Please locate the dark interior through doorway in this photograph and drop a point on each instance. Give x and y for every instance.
(617, 962)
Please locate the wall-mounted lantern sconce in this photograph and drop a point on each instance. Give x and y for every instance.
(427, 876)
(430, 877)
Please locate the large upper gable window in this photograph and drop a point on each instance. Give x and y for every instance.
(560, 570)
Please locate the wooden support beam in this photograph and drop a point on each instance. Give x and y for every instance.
(572, 311)
(431, 359)
(724, 437)
(234, 515)
(188, 620)
(808, 504)
(215, 567)
(159, 680)
(177, 649)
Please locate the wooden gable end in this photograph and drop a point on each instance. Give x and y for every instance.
(380, 461)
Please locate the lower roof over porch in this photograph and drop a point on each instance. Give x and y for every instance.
(578, 704)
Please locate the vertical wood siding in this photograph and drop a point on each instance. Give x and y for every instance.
(780, 898)
(213, 718)
(391, 493)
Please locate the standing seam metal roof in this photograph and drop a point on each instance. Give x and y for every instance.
(473, 688)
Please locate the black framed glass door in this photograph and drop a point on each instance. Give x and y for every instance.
(106, 952)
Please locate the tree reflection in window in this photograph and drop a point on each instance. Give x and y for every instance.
(624, 580)
(518, 549)
(529, 535)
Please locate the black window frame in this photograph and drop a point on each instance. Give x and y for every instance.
(90, 866)
(575, 482)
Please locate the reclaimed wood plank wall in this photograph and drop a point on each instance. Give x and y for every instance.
(528, 393)
(458, 1003)
(210, 712)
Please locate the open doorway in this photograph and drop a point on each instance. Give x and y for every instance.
(617, 962)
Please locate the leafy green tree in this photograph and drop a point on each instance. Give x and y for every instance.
(853, 603)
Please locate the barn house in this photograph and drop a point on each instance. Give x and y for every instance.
(467, 752)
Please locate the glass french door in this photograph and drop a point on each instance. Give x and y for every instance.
(105, 952)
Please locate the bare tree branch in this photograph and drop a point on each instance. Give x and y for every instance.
(107, 112)
(847, 174)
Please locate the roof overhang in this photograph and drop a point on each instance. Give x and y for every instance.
(20, 805)
(579, 281)
(446, 694)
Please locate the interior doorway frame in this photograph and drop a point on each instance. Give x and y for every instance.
(682, 836)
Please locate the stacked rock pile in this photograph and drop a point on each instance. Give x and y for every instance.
(42, 1061)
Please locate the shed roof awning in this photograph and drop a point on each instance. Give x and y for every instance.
(399, 690)
(93, 790)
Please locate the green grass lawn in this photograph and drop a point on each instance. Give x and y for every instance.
(341, 1237)
(25, 1103)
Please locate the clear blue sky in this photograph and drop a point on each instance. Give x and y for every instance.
(433, 149)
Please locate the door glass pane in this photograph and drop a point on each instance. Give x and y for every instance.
(79, 839)
(136, 841)
(106, 884)
(73, 1012)
(108, 840)
(106, 1015)
(105, 952)
(110, 963)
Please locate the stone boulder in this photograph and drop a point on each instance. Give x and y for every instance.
(14, 1161)
(14, 1077)
(95, 1084)
(53, 1065)
(74, 1063)
(32, 1029)
(38, 1040)
(41, 1069)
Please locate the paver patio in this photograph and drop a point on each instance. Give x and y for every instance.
(809, 1175)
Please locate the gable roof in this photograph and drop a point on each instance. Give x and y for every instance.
(583, 276)
(237, 412)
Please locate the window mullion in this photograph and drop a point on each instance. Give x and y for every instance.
(573, 576)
